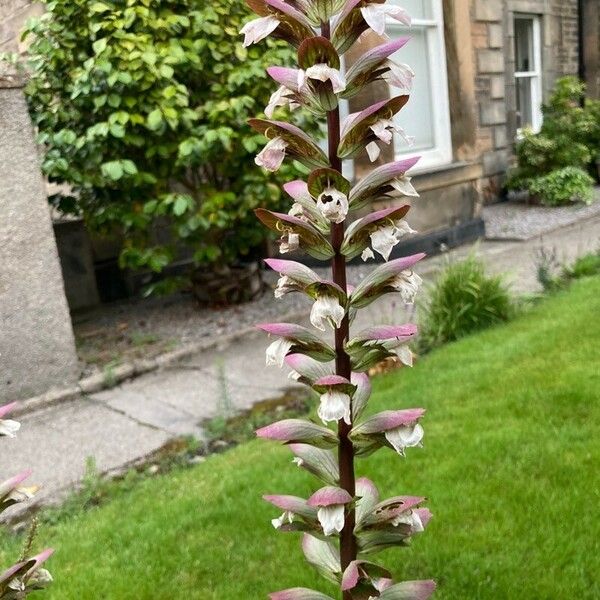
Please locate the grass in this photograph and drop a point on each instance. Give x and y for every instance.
(510, 466)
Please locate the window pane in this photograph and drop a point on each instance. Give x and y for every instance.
(416, 117)
(417, 9)
(524, 102)
(524, 45)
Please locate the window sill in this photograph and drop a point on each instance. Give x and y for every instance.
(447, 175)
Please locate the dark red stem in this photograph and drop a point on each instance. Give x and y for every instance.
(348, 548)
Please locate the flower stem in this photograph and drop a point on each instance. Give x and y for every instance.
(348, 548)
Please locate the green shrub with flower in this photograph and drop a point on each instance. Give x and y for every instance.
(345, 522)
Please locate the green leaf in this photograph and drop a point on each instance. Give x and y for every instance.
(99, 7)
(113, 170)
(100, 45)
(181, 205)
(129, 167)
(155, 120)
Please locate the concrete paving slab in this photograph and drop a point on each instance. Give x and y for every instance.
(147, 408)
(206, 385)
(55, 443)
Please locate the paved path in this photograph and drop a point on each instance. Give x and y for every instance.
(125, 423)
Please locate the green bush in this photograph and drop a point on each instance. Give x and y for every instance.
(539, 154)
(585, 266)
(555, 276)
(464, 299)
(570, 137)
(141, 107)
(563, 186)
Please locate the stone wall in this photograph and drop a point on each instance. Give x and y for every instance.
(37, 348)
(13, 16)
(492, 32)
(591, 46)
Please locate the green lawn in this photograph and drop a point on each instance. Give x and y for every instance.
(511, 467)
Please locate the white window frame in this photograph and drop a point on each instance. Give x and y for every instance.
(441, 153)
(535, 75)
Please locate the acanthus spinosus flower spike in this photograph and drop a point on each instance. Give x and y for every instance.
(345, 521)
(27, 575)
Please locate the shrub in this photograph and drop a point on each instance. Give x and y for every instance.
(537, 153)
(563, 186)
(142, 108)
(570, 136)
(585, 266)
(554, 276)
(464, 299)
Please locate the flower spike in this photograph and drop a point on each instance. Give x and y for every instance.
(345, 521)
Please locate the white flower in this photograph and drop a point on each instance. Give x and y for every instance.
(375, 16)
(289, 242)
(9, 428)
(321, 72)
(272, 155)
(297, 210)
(286, 516)
(20, 494)
(385, 238)
(410, 518)
(258, 29)
(18, 585)
(280, 97)
(333, 205)
(326, 309)
(334, 406)
(404, 186)
(384, 130)
(373, 151)
(285, 285)
(294, 375)
(277, 352)
(408, 284)
(405, 355)
(405, 436)
(367, 253)
(41, 577)
(400, 76)
(331, 518)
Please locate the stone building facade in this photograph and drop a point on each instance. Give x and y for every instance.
(502, 59)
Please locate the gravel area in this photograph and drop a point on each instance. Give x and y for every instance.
(516, 220)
